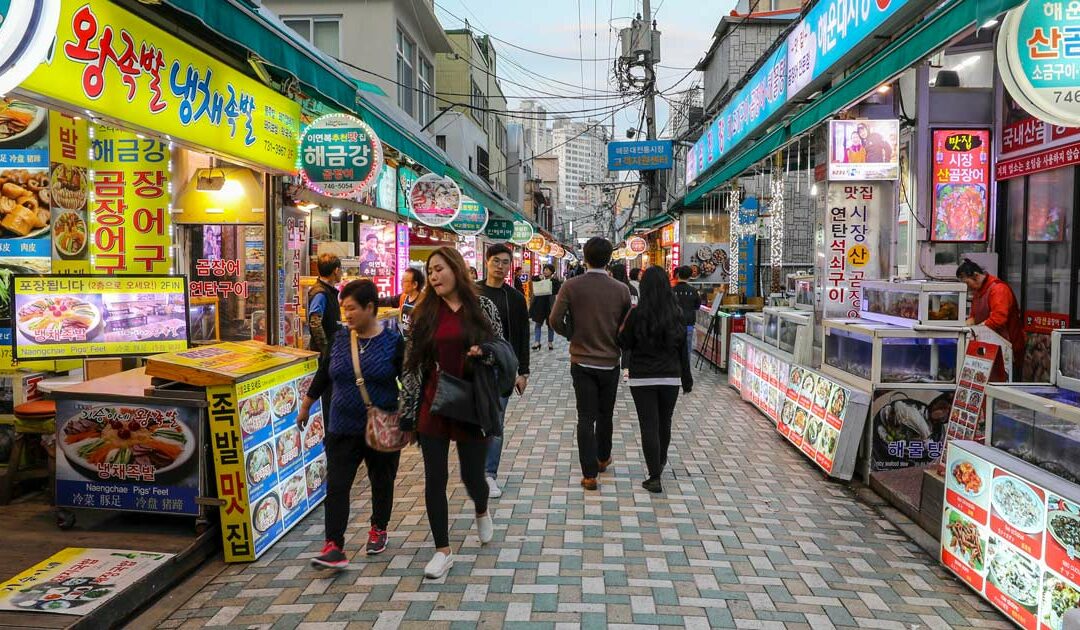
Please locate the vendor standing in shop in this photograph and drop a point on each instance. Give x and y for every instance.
(324, 312)
(994, 305)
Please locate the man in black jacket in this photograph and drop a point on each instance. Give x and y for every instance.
(690, 301)
(514, 317)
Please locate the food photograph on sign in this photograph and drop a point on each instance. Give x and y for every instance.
(435, 200)
(961, 180)
(864, 150)
(908, 427)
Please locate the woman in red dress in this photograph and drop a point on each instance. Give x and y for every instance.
(448, 325)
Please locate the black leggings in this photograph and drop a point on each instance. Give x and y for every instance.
(344, 454)
(471, 456)
(655, 406)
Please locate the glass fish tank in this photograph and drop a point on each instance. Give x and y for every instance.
(918, 360)
(1039, 424)
(915, 302)
(755, 325)
(849, 351)
(887, 355)
(1065, 359)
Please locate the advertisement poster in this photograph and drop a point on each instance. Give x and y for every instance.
(76, 580)
(269, 472)
(296, 266)
(864, 150)
(852, 252)
(435, 200)
(81, 316)
(1039, 325)
(708, 263)
(961, 179)
(137, 458)
(378, 256)
(129, 215)
(908, 427)
(1010, 536)
(69, 190)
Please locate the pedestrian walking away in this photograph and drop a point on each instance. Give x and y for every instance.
(449, 325)
(690, 301)
(618, 271)
(544, 289)
(412, 284)
(589, 310)
(514, 319)
(381, 353)
(659, 364)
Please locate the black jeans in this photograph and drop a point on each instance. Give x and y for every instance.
(655, 406)
(471, 456)
(595, 391)
(344, 454)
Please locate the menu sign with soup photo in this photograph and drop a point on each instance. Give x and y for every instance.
(82, 316)
(1012, 532)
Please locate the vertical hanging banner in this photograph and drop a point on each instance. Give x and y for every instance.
(748, 216)
(130, 224)
(402, 252)
(961, 179)
(851, 245)
(69, 189)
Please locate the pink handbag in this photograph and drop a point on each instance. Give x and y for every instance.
(383, 433)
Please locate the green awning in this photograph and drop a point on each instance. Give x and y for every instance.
(369, 87)
(649, 224)
(925, 36)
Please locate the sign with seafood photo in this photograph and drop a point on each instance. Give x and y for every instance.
(56, 317)
(1011, 531)
(908, 427)
(136, 458)
(269, 473)
(25, 193)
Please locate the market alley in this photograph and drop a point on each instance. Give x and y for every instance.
(749, 534)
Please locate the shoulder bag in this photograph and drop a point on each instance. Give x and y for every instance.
(454, 397)
(383, 433)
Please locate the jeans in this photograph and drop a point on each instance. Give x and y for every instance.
(344, 454)
(537, 330)
(495, 442)
(436, 453)
(655, 405)
(690, 342)
(595, 391)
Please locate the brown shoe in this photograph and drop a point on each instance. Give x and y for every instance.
(589, 483)
(604, 463)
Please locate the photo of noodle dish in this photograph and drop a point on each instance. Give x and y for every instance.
(1014, 574)
(314, 432)
(112, 439)
(288, 447)
(824, 388)
(266, 513)
(260, 464)
(1017, 504)
(316, 475)
(837, 402)
(1058, 598)
(283, 400)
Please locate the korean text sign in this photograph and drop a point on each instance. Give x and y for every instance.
(108, 61)
(646, 155)
(96, 466)
(851, 245)
(340, 155)
(269, 472)
(1038, 52)
(96, 316)
(961, 180)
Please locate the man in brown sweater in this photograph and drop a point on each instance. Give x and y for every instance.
(596, 305)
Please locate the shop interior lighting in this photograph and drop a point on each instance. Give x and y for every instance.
(364, 217)
(813, 190)
(335, 212)
(210, 180)
(306, 206)
(991, 23)
(884, 89)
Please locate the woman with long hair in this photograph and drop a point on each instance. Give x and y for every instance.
(544, 289)
(449, 324)
(380, 351)
(655, 337)
(618, 272)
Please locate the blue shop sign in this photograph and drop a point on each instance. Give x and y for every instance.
(644, 155)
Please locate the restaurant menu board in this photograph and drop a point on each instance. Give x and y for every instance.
(269, 473)
(58, 316)
(813, 412)
(967, 419)
(1012, 532)
(961, 184)
(137, 458)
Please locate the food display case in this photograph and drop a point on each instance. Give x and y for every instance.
(1065, 359)
(772, 324)
(755, 325)
(804, 292)
(873, 354)
(796, 336)
(915, 302)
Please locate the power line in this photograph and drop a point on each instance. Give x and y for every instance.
(587, 129)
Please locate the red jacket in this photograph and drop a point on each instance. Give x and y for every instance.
(995, 306)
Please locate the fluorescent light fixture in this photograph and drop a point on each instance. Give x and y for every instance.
(215, 211)
(884, 89)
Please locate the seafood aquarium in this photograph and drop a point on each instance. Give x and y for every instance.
(915, 302)
(1010, 526)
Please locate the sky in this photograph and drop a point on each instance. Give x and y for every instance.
(554, 27)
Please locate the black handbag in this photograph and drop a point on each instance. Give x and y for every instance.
(454, 397)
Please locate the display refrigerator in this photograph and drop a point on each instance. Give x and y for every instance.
(914, 303)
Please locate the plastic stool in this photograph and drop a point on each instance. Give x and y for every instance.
(32, 420)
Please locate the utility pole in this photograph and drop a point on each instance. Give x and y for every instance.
(652, 178)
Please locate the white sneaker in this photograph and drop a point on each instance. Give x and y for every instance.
(494, 491)
(439, 565)
(485, 527)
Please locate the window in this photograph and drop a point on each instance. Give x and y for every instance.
(440, 141)
(482, 162)
(426, 97)
(322, 31)
(479, 105)
(406, 73)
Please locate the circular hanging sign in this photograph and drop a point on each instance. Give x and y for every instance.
(499, 230)
(546, 249)
(536, 243)
(435, 200)
(636, 245)
(523, 232)
(27, 30)
(471, 219)
(340, 156)
(557, 250)
(1036, 67)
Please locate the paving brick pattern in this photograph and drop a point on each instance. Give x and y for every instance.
(748, 535)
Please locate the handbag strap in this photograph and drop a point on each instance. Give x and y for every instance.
(356, 369)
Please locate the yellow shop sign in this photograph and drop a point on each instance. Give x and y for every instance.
(108, 61)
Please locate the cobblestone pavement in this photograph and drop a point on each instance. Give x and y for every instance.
(748, 534)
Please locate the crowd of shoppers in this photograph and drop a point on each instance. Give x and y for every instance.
(463, 350)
